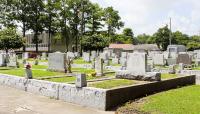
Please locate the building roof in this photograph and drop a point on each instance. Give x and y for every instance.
(121, 46)
(147, 47)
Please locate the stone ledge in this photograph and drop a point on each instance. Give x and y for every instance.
(148, 76)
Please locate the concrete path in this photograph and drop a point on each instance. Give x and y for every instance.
(13, 101)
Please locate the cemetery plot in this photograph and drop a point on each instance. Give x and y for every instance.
(184, 100)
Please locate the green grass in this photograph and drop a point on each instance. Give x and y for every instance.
(36, 73)
(108, 84)
(83, 70)
(80, 61)
(35, 66)
(178, 101)
(168, 76)
(72, 79)
(196, 68)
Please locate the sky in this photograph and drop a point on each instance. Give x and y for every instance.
(146, 16)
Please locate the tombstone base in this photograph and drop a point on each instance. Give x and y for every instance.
(149, 76)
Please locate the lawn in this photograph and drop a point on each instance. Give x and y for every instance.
(80, 61)
(72, 79)
(178, 101)
(196, 68)
(108, 84)
(36, 72)
(168, 76)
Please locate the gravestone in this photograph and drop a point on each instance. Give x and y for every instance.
(81, 80)
(44, 56)
(104, 56)
(181, 66)
(172, 69)
(171, 61)
(93, 55)
(86, 57)
(137, 63)
(115, 60)
(99, 66)
(12, 60)
(184, 58)
(2, 59)
(25, 55)
(57, 61)
(76, 54)
(137, 69)
(158, 59)
(70, 55)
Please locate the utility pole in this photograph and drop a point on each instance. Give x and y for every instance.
(170, 36)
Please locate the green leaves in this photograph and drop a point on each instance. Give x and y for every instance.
(9, 39)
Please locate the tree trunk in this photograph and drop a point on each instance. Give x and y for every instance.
(24, 35)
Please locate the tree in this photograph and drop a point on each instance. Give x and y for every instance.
(180, 38)
(36, 19)
(162, 37)
(113, 20)
(51, 23)
(128, 32)
(95, 18)
(9, 39)
(94, 42)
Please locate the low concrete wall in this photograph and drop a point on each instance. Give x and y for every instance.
(115, 97)
(92, 97)
(89, 97)
(192, 72)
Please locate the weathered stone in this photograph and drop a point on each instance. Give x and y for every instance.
(86, 57)
(99, 66)
(171, 61)
(172, 69)
(81, 80)
(2, 59)
(115, 60)
(57, 62)
(44, 56)
(137, 63)
(184, 58)
(158, 59)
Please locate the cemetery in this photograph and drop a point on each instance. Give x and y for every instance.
(59, 73)
(82, 53)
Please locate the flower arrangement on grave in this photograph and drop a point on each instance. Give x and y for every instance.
(28, 66)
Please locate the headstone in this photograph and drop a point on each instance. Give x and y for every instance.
(99, 66)
(44, 56)
(184, 58)
(70, 54)
(158, 59)
(181, 66)
(93, 55)
(12, 61)
(76, 54)
(137, 63)
(115, 60)
(57, 61)
(171, 61)
(104, 56)
(2, 59)
(81, 80)
(172, 69)
(25, 55)
(86, 57)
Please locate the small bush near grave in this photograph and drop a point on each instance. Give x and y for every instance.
(178, 101)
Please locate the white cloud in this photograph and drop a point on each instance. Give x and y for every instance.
(146, 16)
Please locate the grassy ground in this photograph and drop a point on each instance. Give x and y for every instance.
(21, 72)
(108, 84)
(80, 61)
(196, 68)
(72, 79)
(168, 76)
(178, 101)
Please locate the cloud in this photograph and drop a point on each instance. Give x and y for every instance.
(146, 16)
